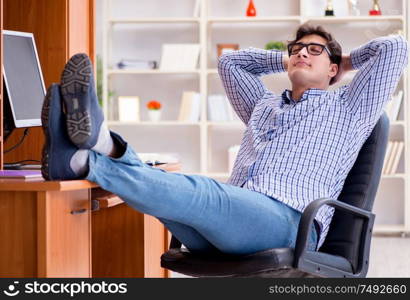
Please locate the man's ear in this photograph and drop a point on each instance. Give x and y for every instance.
(333, 69)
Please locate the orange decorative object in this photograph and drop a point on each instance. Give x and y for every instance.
(251, 11)
(155, 105)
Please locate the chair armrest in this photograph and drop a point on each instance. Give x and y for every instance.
(304, 231)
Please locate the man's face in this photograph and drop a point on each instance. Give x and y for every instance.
(307, 70)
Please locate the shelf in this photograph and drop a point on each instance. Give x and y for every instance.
(397, 123)
(226, 124)
(254, 19)
(390, 176)
(306, 19)
(218, 175)
(353, 19)
(379, 228)
(154, 20)
(148, 123)
(148, 72)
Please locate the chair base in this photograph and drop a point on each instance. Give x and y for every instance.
(272, 263)
(280, 273)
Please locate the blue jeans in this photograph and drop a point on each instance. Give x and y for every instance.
(203, 214)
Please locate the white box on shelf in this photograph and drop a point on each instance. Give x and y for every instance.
(129, 109)
(179, 57)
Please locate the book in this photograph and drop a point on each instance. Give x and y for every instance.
(392, 107)
(179, 57)
(20, 174)
(230, 112)
(220, 109)
(129, 109)
(29, 167)
(232, 154)
(212, 112)
(216, 108)
(391, 156)
(190, 107)
(137, 64)
(232, 116)
(197, 7)
(386, 156)
(226, 113)
(396, 158)
(196, 109)
(396, 103)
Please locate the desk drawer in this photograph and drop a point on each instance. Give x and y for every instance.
(64, 234)
(45, 234)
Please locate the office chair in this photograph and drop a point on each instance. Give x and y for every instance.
(345, 251)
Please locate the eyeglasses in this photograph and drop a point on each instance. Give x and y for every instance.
(312, 48)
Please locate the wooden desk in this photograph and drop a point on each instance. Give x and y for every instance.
(48, 229)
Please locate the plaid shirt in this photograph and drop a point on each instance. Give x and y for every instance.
(299, 151)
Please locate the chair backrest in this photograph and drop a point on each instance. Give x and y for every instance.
(359, 190)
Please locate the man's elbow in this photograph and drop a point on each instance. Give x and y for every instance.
(224, 62)
(404, 50)
(400, 46)
(402, 43)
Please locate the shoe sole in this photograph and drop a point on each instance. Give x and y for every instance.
(45, 152)
(75, 81)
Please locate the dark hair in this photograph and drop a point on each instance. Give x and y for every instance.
(333, 46)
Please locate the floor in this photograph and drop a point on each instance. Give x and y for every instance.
(389, 257)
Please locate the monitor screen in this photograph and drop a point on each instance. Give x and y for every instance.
(23, 78)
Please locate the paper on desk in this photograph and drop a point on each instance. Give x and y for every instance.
(161, 157)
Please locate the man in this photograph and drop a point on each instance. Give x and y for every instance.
(298, 146)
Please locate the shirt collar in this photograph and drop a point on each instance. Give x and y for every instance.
(309, 93)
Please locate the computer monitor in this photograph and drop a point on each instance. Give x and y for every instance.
(24, 88)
